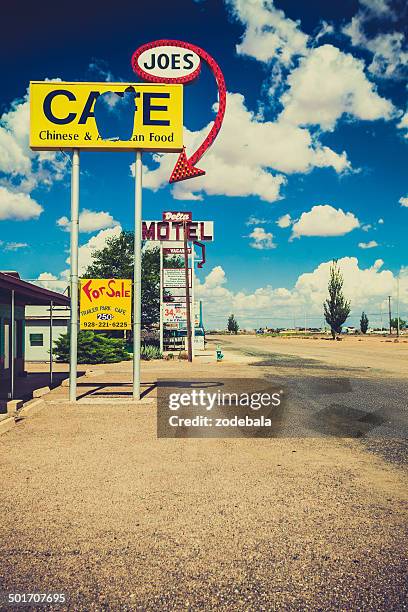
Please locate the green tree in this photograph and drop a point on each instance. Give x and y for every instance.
(336, 307)
(115, 260)
(174, 261)
(364, 323)
(394, 323)
(232, 324)
(92, 348)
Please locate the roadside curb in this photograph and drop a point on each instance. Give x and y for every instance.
(31, 407)
(104, 401)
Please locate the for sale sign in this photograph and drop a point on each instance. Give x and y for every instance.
(105, 303)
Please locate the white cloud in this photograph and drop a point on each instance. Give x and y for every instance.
(329, 84)
(269, 35)
(18, 206)
(380, 221)
(95, 243)
(252, 220)
(52, 282)
(389, 50)
(403, 201)
(20, 166)
(215, 278)
(366, 287)
(362, 286)
(101, 69)
(377, 7)
(403, 124)
(284, 221)
(90, 221)
(261, 239)
(242, 160)
(390, 55)
(324, 220)
(368, 245)
(325, 30)
(14, 246)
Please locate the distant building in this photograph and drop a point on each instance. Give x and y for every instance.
(37, 330)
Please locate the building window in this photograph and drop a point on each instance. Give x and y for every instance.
(36, 339)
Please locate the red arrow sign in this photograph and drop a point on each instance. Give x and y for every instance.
(185, 167)
(201, 245)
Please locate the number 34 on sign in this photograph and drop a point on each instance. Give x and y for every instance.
(105, 303)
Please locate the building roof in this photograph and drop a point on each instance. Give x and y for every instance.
(28, 294)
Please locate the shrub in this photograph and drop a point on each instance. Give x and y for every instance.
(92, 348)
(149, 351)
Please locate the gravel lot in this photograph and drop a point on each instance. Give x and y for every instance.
(94, 505)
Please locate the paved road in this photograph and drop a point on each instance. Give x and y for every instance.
(369, 353)
(339, 401)
(94, 505)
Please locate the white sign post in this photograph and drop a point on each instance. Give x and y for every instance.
(137, 277)
(73, 361)
(161, 331)
(192, 303)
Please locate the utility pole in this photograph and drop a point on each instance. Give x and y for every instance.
(389, 312)
(187, 276)
(398, 314)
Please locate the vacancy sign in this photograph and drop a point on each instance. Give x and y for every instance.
(62, 116)
(105, 303)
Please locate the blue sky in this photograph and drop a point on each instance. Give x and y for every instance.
(314, 138)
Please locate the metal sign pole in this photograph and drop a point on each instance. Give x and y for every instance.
(398, 306)
(74, 276)
(192, 302)
(187, 277)
(161, 297)
(51, 348)
(137, 277)
(12, 350)
(389, 313)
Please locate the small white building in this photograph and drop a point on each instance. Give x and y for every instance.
(37, 330)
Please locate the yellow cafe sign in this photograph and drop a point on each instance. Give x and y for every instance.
(62, 116)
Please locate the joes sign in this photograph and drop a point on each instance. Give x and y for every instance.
(105, 304)
(165, 63)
